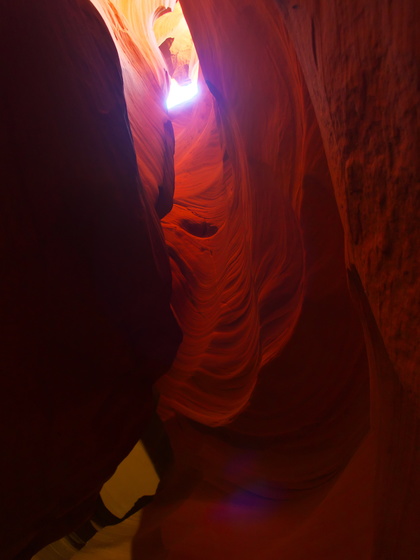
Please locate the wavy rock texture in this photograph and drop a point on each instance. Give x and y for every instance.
(292, 403)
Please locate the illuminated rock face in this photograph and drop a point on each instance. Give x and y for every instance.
(292, 402)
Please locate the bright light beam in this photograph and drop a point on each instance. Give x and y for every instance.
(180, 94)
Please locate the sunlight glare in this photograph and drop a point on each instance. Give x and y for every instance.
(180, 94)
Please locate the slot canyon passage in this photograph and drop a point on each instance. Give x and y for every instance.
(244, 265)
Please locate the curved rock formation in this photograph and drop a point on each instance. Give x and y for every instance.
(87, 326)
(289, 213)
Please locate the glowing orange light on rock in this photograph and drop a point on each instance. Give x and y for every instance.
(176, 45)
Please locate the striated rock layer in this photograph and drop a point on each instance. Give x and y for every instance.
(289, 213)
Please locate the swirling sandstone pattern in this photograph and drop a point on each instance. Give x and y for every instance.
(290, 217)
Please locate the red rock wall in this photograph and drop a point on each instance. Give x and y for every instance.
(272, 146)
(85, 283)
(292, 404)
(362, 73)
